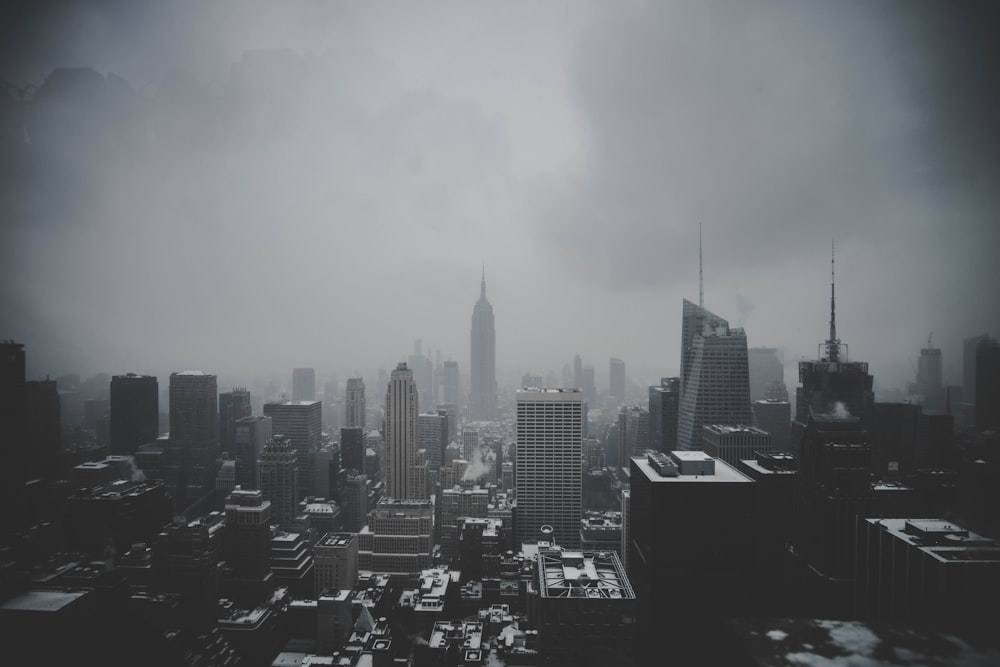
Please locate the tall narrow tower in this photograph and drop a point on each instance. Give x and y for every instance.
(483, 390)
(401, 434)
(354, 406)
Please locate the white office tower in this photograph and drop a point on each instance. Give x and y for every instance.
(715, 381)
(354, 404)
(548, 475)
(483, 371)
(401, 435)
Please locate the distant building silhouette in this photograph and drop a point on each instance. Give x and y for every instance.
(233, 405)
(303, 384)
(766, 369)
(616, 379)
(252, 435)
(355, 404)
(483, 369)
(135, 412)
(41, 441)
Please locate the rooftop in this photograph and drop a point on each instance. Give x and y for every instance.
(589, 574)
(723, 472)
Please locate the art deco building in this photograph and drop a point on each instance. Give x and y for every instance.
(483, 381)
(401, 434)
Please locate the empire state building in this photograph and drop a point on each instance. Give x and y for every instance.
(483, 371)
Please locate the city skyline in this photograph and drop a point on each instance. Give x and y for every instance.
(536, 141)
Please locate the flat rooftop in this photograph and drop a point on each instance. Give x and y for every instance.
(723, 472)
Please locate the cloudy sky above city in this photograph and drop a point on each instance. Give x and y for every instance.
(252, 186)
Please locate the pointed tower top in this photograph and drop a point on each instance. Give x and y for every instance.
(482, 285)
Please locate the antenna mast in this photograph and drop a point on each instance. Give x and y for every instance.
(833, 344)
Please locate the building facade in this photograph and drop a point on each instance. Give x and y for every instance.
(548, 478)
(401, 404)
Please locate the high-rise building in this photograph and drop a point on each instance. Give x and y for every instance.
(483, 369)
(303, 384)
(470, 443)
(278, 479)
(135, 412)
(775, 417)
(401, 434)
(354, 404)
(712, 568)
(248, 535)
(233, 405)
(397, 539)
(335, 562)
(302, 423)
(765, 369)
(733, 444)
(969, 347)
(352, 449)
(715, 383)
(831, 384)
(633, 432)
(432, 435)
(616, 379)
(987, 383)
(42, 427)
(548, 476)
(193, 450)
(252, 435)
(664, 405)
(354, 500)
(586, 608)
(12, 409)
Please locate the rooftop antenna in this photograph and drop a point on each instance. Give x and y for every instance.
(701, 276)
(482, 285)
(833, 344)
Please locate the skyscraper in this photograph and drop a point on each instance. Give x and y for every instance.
(278, 479)
(715, 383)
(549, 480)
(421, 367)
(401, 434)
(12, 408)
(354, 404)
(41, 441)
(233, 405)
(193, 449)
(432, 435)
(929, 384)
(252, 435)
(135, 412)
(987, 383)
(616, 379)
(765, 369)
(302, 423)
(831, 384)
(303, 384)
(483, 389)
(664, 405)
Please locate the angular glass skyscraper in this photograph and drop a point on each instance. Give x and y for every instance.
(715, 378)
(483, 381)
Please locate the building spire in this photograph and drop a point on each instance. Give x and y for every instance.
(482, 285)
(701, 277)
(833, 343)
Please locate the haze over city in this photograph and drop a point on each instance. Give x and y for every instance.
(250, 187)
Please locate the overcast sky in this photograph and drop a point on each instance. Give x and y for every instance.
(252, 186)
